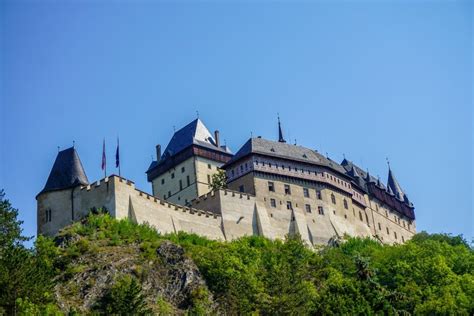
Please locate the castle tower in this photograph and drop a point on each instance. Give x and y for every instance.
(55, 203)
(184, 170)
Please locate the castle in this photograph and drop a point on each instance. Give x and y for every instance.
(272, 189)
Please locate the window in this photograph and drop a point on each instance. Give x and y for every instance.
(182, 169)
(333, 199)
(271, 186)
(209, 178)
(367, 218)
(188, 181)
(180, 184)
(48, 215)
(318, 195)
(241, 188)
(395, 234)
(209, 166)
(288, 205)
(377, 207)
(242, 168)
(403, 239)
(380, 227)
(345, 204)
(308, 208)
(287, 189)
(320, 210)
(305, 192)
(169, 194)
(273, 203)
(172, 175)
(360, 216)
(163, 181)
(233, 172)
(388, 232)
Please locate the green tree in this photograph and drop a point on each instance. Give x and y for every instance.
(23, 274)
(219, 180)
(124, 298)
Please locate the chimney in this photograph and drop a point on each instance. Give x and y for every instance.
(158, 152)
(216, 136)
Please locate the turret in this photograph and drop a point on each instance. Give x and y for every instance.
(394, 186)
(55, 202)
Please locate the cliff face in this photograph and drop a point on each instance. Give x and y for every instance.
(170, 282)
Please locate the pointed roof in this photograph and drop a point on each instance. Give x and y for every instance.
(280, 133)
(395, 187)
(368, 178)
(67, 172)
(284, 151)
(194, 133)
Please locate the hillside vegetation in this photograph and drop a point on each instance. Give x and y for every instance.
(104, 266)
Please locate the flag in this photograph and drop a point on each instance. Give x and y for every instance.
(117, 155)
(103, 157)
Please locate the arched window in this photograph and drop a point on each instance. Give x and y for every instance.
(333, 198)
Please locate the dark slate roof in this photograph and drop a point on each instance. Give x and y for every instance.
(395, 187)
(362, 177)
(67, 172)
(284, 151)
(195, 133)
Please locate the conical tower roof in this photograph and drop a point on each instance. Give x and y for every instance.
(393, 184)
(67, 172)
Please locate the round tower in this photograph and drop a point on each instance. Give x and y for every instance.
(55, 203)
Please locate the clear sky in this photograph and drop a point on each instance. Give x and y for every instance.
(366, 79)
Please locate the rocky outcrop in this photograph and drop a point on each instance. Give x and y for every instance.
(170, 275)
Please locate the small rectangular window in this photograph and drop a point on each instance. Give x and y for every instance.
(380, 227)
(172, 175)
(209, 178)
(306, 192)
(388, 231)
(320, 210)
(318, 194)
(308, 208)
(209, 166)
(188, 181)
(163, 181)
(287, 189)
(289, 205)
(180, 184)
(273, 203)
(182, 169)
(271, 186)
(395, 234)
(241, 188)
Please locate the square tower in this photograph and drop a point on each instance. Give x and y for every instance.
(184, 170)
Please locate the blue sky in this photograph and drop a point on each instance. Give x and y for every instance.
(366, 79)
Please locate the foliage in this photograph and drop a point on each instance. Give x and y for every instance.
(219, 180)
(23, 273)
(430, 274)
(124, 298)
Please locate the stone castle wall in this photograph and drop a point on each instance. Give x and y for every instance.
(221, 214)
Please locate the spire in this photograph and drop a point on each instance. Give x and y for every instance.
(379, 183)
(368, 178)
(280, 133)
(67, 172)
(394, 186)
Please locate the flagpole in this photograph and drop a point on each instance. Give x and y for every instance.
(105, 161)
